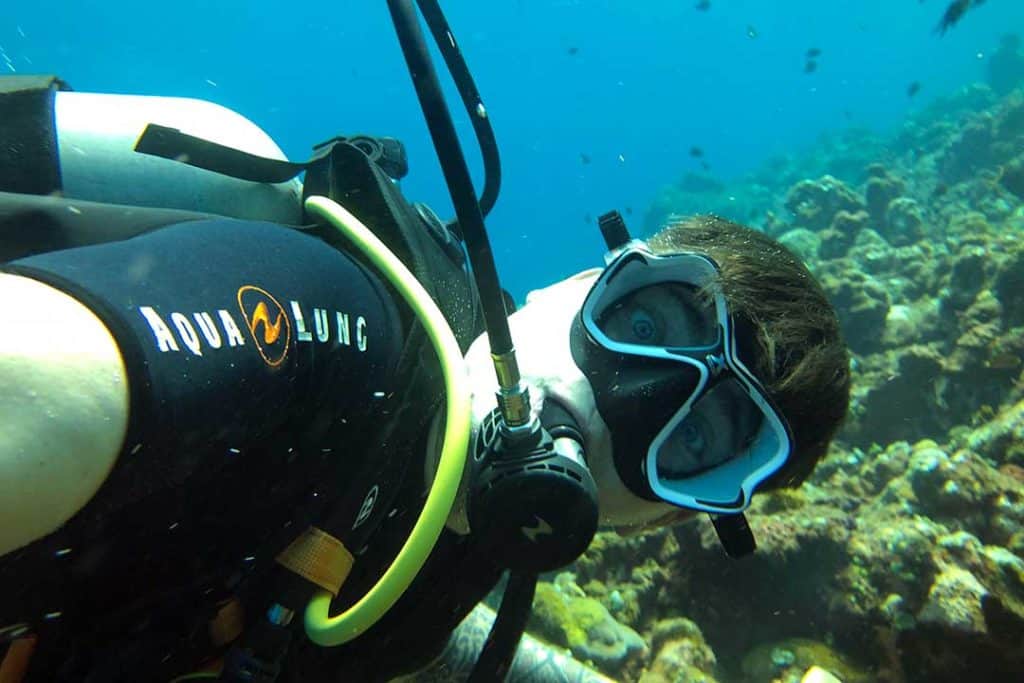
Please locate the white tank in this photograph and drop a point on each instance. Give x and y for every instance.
(96, 136)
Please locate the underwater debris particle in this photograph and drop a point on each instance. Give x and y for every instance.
(752, 32)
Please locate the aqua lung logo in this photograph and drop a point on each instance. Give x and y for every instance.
(367, 507)
(260, 320)
(267, 323)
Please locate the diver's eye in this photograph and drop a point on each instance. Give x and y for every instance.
(643, 325)
(691, 434)
(689, 450)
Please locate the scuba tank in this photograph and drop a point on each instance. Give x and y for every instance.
(96, 137)
(79, 145)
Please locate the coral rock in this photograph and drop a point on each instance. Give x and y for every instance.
(564, 616)
(862, 304)
(803, 243)
(955, 602)
(881, 189)
(1008, 287)
(904, 221)
(814, 203)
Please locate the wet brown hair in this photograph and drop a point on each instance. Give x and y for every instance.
(787, 331)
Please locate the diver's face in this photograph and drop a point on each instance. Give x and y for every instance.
(540, 331)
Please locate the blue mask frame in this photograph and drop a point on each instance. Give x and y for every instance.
(725, 488)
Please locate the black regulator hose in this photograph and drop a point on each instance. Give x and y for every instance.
(456, 173)
(478, 114)
(500, 647)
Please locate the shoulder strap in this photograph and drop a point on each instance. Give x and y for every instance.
(28, 138)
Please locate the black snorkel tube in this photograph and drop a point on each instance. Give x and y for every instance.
(533, 502)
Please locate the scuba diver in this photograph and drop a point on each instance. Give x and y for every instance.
(258, 429)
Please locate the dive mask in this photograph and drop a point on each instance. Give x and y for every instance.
(691, 424)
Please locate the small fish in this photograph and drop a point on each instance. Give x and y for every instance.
(913, 89)
(703, 6)
(751, 32)
(696, 152)
(940, 189)
(573, 50)
(705, 165)
(629, 210)
(813, 52)
(810, 67)
(587, 218)
(954, 13)
(584, 158)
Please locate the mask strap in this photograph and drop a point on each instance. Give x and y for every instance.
(734, 534)
(614, 230)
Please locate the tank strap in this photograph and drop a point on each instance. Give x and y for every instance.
(28, 138)
(171, 143)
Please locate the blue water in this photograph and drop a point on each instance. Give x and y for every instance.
(649, 79)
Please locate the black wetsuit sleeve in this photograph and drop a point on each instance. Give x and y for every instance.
(232, 332)
(265, 371)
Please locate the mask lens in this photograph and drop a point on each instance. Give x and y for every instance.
(719, 427)
(668, 314)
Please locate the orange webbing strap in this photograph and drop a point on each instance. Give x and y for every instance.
(228, 623)
(14, 665)
(319, 558)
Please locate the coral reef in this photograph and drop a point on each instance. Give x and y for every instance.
(565, 616)
(902, 558)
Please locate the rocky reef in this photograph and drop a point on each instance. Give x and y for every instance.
(902, 558)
